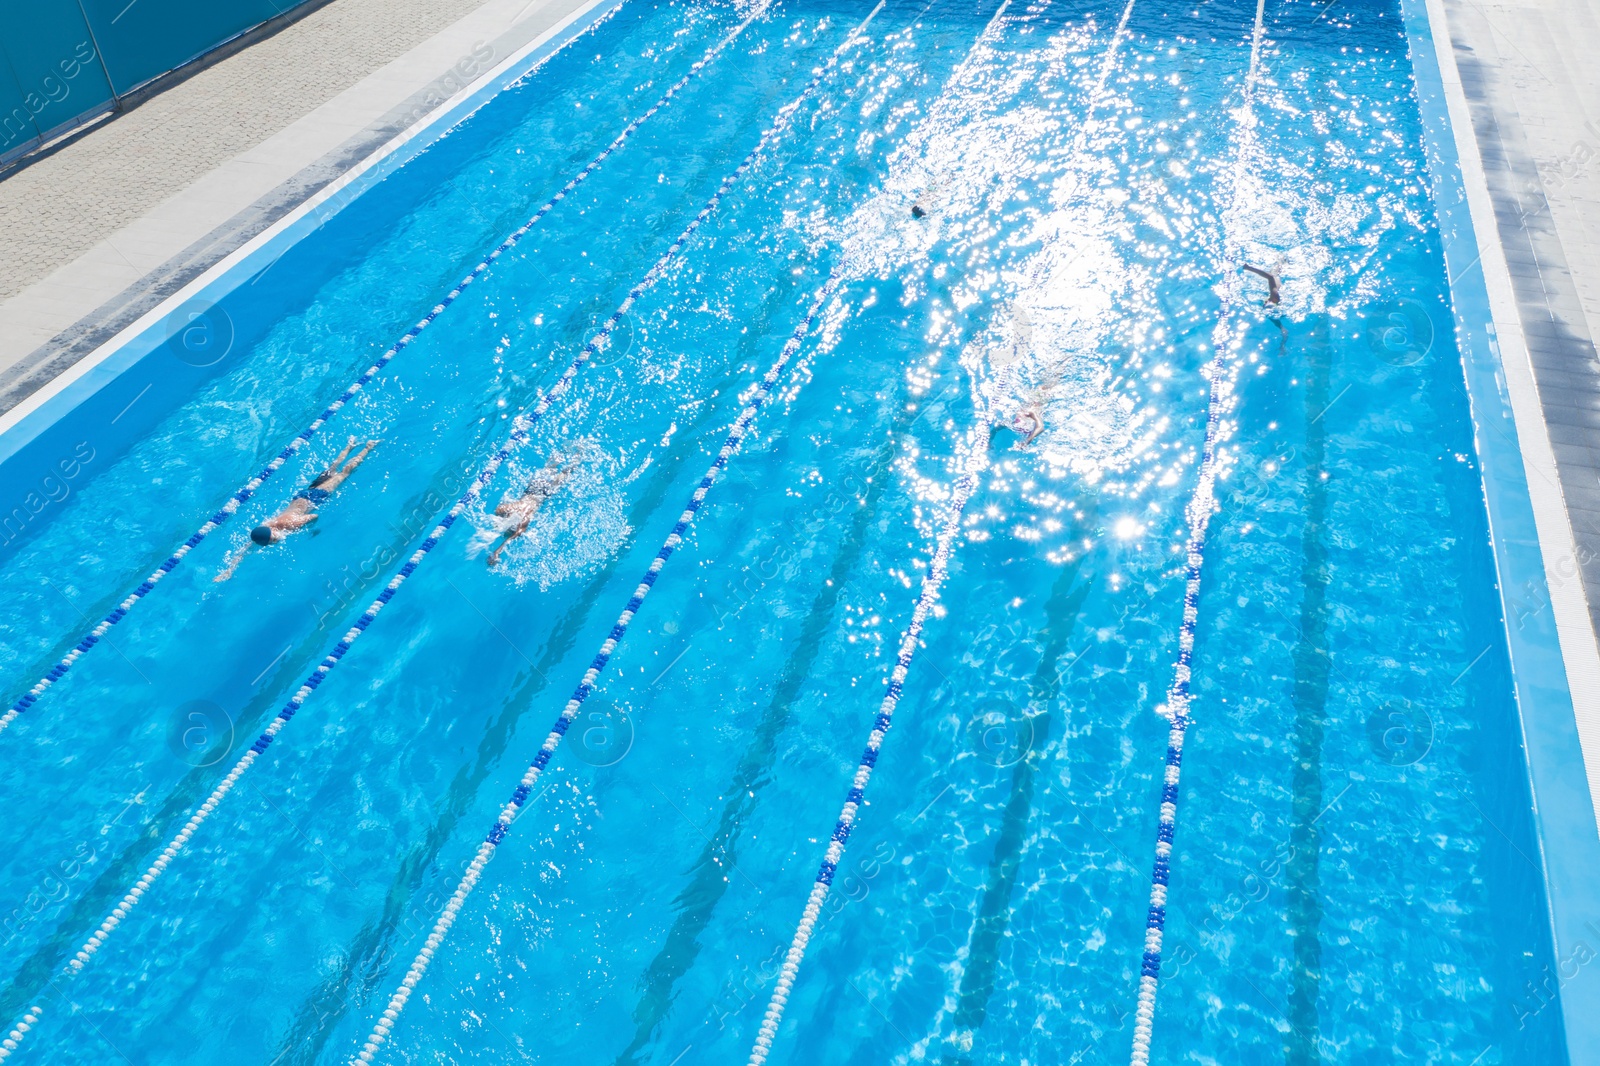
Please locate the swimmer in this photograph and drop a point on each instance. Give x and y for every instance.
(918, 211)
(301, 510)
(1272, 283)
(1028, 423)
(518, 511)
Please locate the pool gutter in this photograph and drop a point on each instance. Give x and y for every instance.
(1554, 658)
(112, 364)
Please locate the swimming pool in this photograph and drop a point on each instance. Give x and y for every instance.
(1354, 815)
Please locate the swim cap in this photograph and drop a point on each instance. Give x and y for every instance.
(262, 535)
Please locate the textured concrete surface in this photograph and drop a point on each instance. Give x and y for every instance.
(1533, 90)
(58, 208)
(102, 231)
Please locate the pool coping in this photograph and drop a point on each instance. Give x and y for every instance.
(57, 318)
(1529, 529)
(309, 204)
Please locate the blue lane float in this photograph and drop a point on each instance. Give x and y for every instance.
(586, 686)
(1201, 506)
(522, 425)
(245, 492)
(976, 463)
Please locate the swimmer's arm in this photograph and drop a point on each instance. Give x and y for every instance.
(231, 563)
(1270, 278)
(506, 538)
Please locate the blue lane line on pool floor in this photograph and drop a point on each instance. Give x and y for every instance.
(250, 487)
(586, 687)
(522, 426)
(1201, 507)
(976, 463)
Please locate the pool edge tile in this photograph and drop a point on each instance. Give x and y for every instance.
(1560, 722)
(223, 213)
(73, 380)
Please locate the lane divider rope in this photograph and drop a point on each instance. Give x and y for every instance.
(591, 676)
(250, 487)
(522, 426)
(1201, 507)
(977, 462)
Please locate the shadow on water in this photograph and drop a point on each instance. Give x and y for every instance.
(708, 880)
(1311, 669)
(994, 909)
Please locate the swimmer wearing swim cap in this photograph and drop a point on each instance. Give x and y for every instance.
(301, 510)
(926, 202)
(1028, 423)
(517, 511)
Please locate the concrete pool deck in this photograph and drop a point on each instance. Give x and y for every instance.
(1532, 104)
(99, 232)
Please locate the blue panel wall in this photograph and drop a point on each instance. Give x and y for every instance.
(62, 60)
(143, 39)
(52, 72)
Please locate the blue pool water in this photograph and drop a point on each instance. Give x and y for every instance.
(1355, 873)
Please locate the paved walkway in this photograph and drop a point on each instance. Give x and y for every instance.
(63, 205)
(97, 234)
(1533, 88)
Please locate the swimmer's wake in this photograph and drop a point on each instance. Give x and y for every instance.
(249, 489)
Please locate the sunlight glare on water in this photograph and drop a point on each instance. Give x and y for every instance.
(1039, 228)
